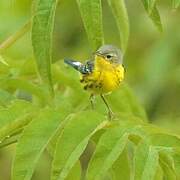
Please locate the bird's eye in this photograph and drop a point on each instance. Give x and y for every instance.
(109, 56)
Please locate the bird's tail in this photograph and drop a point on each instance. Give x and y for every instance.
(75, 64)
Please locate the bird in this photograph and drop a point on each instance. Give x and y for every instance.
(102, 74)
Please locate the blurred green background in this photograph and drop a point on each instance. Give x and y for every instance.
(151, 60)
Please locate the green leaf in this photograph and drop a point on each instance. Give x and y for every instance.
(91, 12)
(155, 17)
(167, 164)
(75, 173)
(33, 141)
(149, 5)
(176, 157)
(10, 132)
(165, 140)
(168, 173)
(42, 30)
(5, 97)
(143, 160)
(121, 169)
(3, 61)
(152, 4)
(146, 156)
(153, 13)
(151, 164)
(175, 3)
(27, 86)
(120, 14)
(124, 101)
(52, 143)
(11, 113)
(109, 148)
(12, 122)
(159, 174)
(73, 141)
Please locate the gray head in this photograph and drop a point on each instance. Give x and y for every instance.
(110, 53)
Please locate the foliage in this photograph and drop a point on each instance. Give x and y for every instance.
(50, 112)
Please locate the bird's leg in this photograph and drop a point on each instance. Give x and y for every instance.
(110, 113)
(92, 100)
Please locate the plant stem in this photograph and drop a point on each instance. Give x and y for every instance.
(17, 35)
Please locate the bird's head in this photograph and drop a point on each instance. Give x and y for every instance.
(110, 53)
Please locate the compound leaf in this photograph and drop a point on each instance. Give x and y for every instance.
(109, 148)
(73, 142)
(33, 141)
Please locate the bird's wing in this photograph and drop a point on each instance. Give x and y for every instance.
(89, 66)
(85, 68)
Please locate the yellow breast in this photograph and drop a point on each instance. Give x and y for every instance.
(105, 77)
